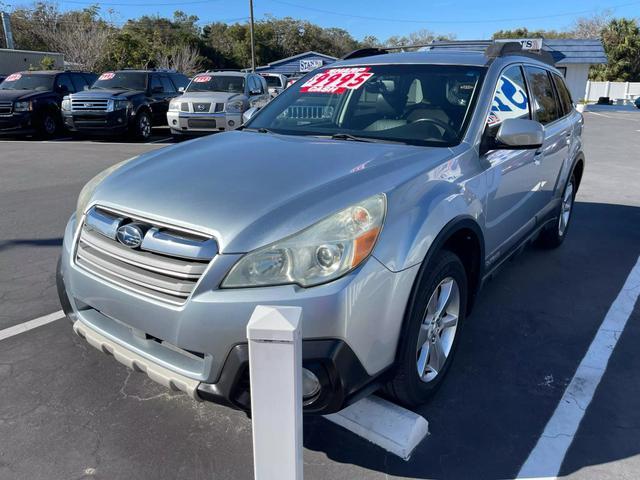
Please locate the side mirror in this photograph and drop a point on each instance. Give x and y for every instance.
(246, 116)
(519, 134)
(180, 89)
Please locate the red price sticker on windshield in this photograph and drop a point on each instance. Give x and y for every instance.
(13, 77)
(337, 80)
(202, 79)
(107, 76)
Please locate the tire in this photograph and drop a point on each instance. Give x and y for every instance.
(419, 369)
(48, 126)
(142, 126)
(553, 236)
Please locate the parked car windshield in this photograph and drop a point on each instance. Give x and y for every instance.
(273, 81)
(413, 104)
(27, 81)
(217, 83)
(121, 81)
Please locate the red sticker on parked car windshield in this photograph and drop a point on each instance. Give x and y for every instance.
(337, 80)
(13, 77)
(107, 76)
(202, 79)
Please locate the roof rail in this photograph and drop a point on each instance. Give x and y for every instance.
(225, 70)
(491, 48)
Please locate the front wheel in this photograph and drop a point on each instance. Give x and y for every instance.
(435, 315)
(142, 126)
(48, 125)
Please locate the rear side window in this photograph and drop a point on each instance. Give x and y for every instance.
(545, 108)
(563, 94)
(510, 99)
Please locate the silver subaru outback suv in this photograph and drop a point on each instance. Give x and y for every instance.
(377, 194)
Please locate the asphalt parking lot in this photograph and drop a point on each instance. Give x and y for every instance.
(70, 412)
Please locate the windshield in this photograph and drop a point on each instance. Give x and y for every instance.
(217, 83)
(121, 80)
(413, 104)
(273, 81)
(28, 81)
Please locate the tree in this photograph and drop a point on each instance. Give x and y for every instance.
(524, 32)
(182, 58)
(591, 27)
(621, 39)
(420, 37)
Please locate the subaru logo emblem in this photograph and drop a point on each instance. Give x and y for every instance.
(130, 235)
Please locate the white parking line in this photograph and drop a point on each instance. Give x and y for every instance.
(159, 141)
(546, 458)
(31, 324)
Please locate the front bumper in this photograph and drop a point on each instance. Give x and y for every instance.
(183, 123)
(17, 123)
(350, 327)
(98, 122)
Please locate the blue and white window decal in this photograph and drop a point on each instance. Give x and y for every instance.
(509, 101)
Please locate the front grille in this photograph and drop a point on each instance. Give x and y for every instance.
(90, 105)
(201, 123)
(165, 266)
(6, 108)
(201, 107)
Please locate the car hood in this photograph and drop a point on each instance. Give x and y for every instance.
(20, 95)
(250, 189)
(107, 93)
(214, 97)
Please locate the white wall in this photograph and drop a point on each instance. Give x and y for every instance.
(613, 90)
(576, 78)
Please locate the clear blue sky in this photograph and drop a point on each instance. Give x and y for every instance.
(467, 19)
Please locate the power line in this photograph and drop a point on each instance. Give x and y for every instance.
(405, 20)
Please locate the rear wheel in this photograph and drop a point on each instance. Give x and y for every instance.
(436, 313)
(554, 235)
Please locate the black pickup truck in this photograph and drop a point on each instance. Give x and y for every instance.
(30, 101)
(123, 102)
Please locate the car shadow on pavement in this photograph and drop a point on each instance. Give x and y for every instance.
(30, 242)
(529, 330)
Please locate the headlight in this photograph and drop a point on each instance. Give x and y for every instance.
(66, 104)
(22, 106)
(121, 105)
(174, 105)
(319, 254)
(234, 107)
(89, 189)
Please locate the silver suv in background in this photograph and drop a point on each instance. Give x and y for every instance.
(215, 101)
(377, 194)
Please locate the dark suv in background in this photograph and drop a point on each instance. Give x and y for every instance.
(123, 102)
(30, 101)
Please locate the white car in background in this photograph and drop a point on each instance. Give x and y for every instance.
(276, 82)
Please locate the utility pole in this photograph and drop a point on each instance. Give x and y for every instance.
(6, 26)
(253, 46)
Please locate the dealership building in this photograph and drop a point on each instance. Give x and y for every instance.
(298, 64)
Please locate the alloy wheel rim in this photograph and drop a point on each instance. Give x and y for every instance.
(565, 212)
(145, 126)
(438, 329)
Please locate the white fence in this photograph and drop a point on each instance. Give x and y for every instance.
(613, 90)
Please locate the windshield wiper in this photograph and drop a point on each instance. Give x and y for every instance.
(347, 136)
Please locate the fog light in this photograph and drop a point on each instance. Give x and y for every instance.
(231, 123)
(310, 385)
(175, 122)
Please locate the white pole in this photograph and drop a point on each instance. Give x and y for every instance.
(275, 370)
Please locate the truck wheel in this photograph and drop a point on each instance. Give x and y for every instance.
(435, 314)
(48, 125)
(142, 127)
(554, 235)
